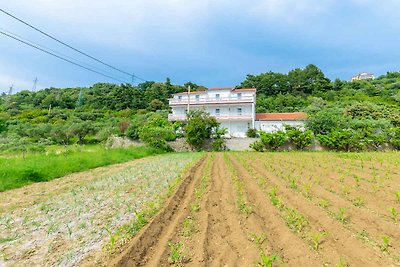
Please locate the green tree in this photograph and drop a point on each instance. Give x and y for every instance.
(199, 127)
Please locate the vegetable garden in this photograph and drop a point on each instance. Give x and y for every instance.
(214, 209)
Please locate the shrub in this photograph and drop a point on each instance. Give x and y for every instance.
(395, 137)
(200, 126)
(274, 140)
(251, 133)
(219, 144)
(301, 139)
(257, 146)
(345, 140)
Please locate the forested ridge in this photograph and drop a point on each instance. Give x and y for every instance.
(364, 108)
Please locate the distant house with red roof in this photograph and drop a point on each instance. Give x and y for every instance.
(234, 108)
(272, 122)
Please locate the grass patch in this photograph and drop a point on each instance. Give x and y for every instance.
(18, 171)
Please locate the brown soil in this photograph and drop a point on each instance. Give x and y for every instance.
(225, 236)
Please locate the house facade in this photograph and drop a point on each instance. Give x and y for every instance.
(363, 76)
(273, 122)
(234, 109)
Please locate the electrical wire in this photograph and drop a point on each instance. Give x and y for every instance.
(60, 57)
(60, 54)
(69, 46)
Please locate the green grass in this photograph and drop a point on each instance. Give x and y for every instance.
(18, 171)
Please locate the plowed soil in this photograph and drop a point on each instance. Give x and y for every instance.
(224, 233)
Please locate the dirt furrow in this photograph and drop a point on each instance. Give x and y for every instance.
(293, 250)
(227, 243)
(362, 218)
(147, 248)
(340, 239)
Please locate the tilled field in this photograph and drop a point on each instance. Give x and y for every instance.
(71, 220)
(289, 209)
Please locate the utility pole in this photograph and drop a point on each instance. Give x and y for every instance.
(34, 84)
(188, 106)
(133, 78)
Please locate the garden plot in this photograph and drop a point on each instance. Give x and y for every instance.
(64, 221)
(289, 209)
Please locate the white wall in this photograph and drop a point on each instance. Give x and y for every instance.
(274, 126)
(236, 128)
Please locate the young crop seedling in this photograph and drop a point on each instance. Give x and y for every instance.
(316, 239)
(395, 215)
(341, 215)
(398, 196)
(267, 261)
(189, 227)
(358, 202)
(176, 255)
(386, 243)
(324, 203)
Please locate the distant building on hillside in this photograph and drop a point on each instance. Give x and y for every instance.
(233, 108)
(363, 76)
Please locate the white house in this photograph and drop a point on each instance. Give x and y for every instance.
(272, 122)
(233, 108)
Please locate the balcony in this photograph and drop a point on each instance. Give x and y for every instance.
(245, 117)
(211, 100)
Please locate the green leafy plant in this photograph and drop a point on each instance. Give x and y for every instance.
(341, 215)
(398, 196)
(324, 203)
(316, 239)
(358, 202)
(273, 141)
(300, 138)
(386, 243)
(395, 215)
(176, 255)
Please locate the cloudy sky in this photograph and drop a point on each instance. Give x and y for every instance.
(209, 42)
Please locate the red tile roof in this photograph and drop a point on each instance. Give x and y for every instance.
(191, 92)
(245, 89)
(222, 88)
(295, 116)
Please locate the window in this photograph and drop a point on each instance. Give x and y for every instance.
(217, 96)
(239, 95)
(217, 111)
(197, 97)
(179, 97)
(239, 111)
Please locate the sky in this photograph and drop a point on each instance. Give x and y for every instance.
(214, 43)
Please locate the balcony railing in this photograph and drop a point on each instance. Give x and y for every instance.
(245, 116)
(210, 100)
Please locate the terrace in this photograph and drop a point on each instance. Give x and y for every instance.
(201, 100)
(237, 117)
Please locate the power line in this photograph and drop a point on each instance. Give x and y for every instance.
(69, 46)
(60, 57)
(60, 54)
